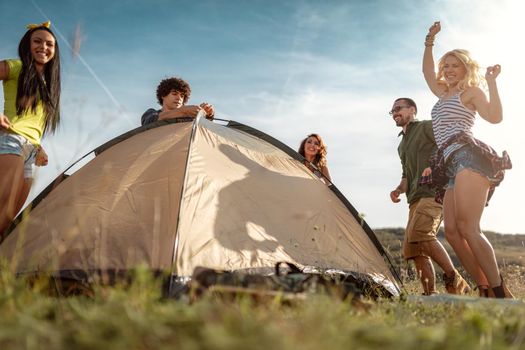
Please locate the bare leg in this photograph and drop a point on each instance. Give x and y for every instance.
(436, 251)
(26, 187)
(470, 193)
(426, 274)
(11, 187)
(458, 242)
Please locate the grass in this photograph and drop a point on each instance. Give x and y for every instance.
(514, 276)
(509, 248)
(136, 316)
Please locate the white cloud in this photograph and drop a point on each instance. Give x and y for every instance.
(328, 68)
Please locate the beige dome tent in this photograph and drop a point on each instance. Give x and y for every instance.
(176, 196)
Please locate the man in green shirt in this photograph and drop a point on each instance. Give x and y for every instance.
(425, 214)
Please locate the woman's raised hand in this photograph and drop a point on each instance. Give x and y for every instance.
(434, 29)
(492, 72)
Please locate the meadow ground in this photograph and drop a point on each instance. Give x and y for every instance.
(137, 317)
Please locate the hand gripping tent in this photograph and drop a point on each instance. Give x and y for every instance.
(175, 196)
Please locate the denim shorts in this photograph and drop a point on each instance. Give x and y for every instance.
(19, 145)
(467, 157)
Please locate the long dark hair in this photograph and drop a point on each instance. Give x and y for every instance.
(32, 87)
(320, 157)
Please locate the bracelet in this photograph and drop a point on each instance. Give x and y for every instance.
(429, 41)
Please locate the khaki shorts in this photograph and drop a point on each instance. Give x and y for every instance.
(424, 218)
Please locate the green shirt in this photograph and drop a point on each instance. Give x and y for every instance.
(414, 150)
(30, 124)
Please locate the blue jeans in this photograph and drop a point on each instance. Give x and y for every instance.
(15, 144)
(467, 158)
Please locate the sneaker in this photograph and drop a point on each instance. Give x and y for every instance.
(456, 284)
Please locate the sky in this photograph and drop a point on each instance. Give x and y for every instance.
(288, 68)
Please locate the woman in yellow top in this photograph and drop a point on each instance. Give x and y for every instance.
(31, 108)
(313, 149)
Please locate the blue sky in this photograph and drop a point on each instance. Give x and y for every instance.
(288, 68)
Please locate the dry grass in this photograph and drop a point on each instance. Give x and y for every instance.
(136, 317)
(509, 249)
(514, 276)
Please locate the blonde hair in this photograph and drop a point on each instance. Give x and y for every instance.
(472, 74)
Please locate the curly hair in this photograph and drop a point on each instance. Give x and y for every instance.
(320, 157)
(34, 87)
(173, 84)
(472, 75)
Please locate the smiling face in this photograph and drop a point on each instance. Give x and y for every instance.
(42, 47)
(173, 100)
(453, 70)
(402, 113)
(311, 147)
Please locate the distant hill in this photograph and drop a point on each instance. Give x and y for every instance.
(510, 248)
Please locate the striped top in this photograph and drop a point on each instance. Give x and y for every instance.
(449, 117)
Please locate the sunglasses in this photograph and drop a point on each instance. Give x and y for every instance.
(397, 109)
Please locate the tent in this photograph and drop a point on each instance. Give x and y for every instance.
(175, 196)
